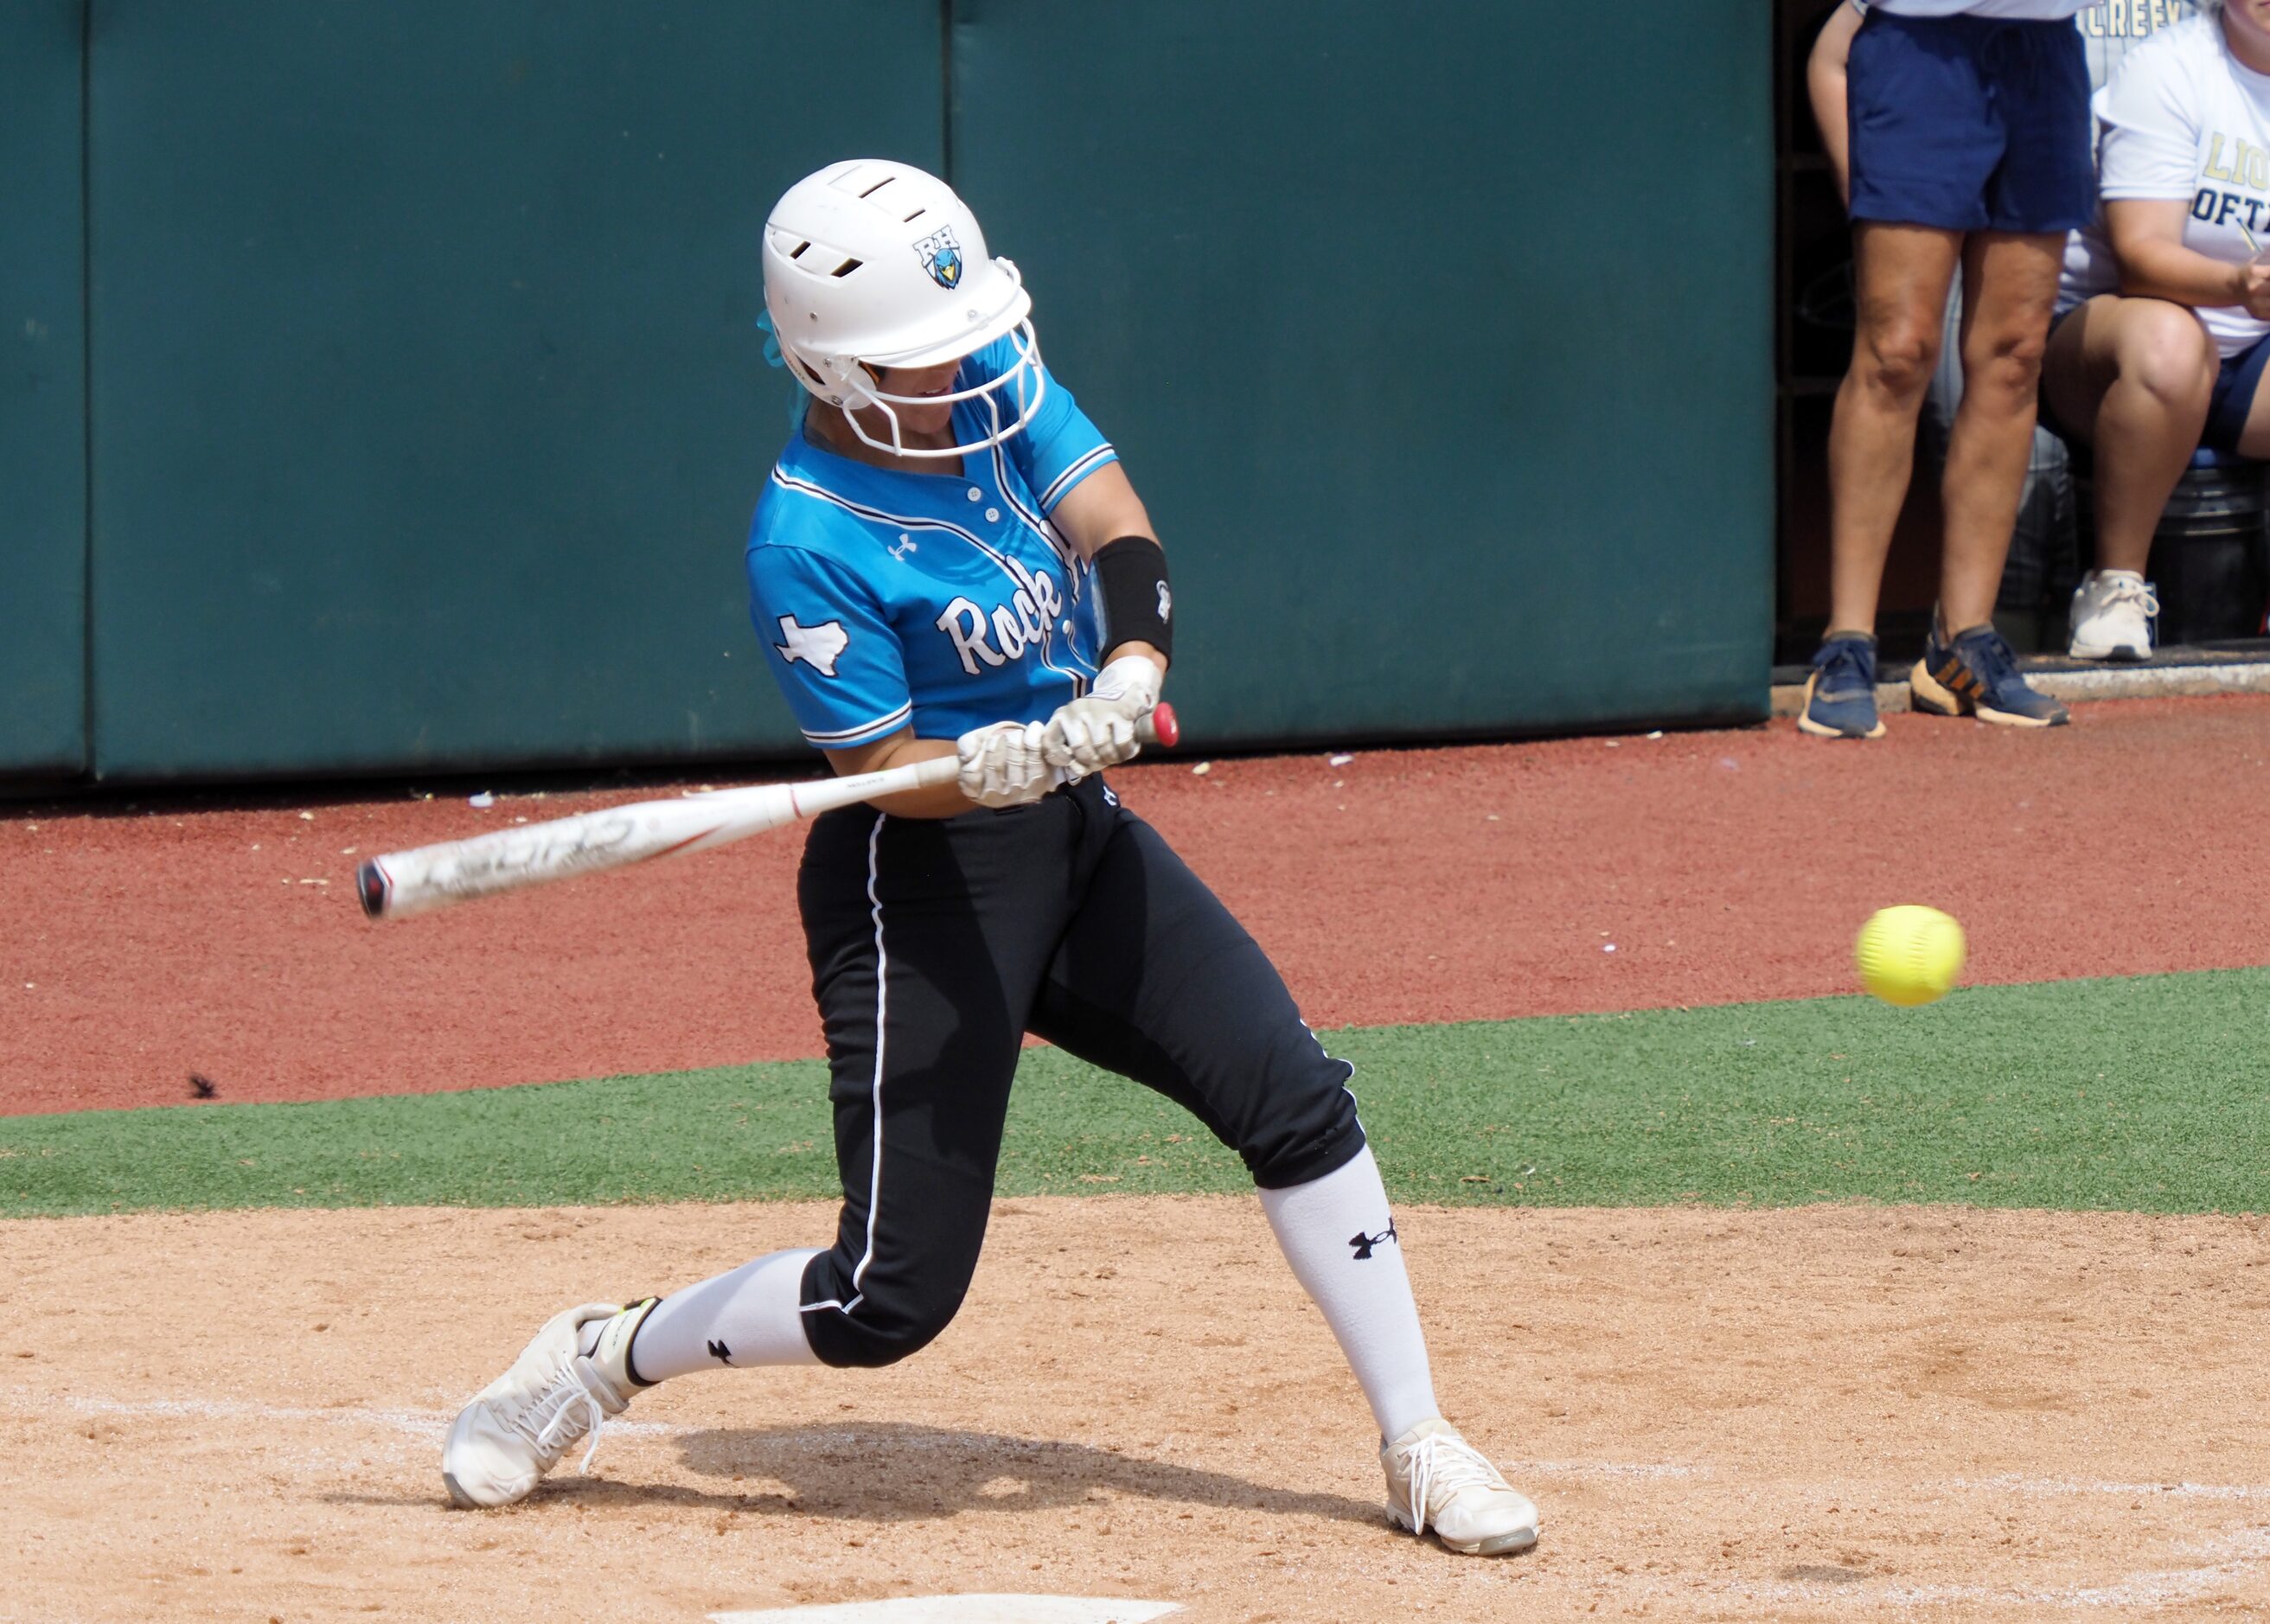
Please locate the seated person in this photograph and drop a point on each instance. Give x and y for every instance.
(2163, 317)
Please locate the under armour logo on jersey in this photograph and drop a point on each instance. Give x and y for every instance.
(941, 256)
(816, 646)
(1363, 1242)
(1016, 626)
(906, 546)
(719, 1352)
(1166, 602)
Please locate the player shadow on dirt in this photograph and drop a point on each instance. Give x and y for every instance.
(895, 1472)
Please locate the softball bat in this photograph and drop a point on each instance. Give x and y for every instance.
(400, 883)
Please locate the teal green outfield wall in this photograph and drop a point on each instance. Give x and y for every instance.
(1438, 338)
(42, 393)
(428, 410)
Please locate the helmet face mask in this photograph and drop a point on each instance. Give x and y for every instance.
(859, 390)
(871, 265)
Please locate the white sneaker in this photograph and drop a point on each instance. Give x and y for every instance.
(1436, 1479)
(516, 1428)
(2113, 615)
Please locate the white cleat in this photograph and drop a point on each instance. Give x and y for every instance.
(1435, 1479)
(516, 1428)
(2113, 615)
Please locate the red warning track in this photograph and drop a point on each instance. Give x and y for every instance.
(137, 946)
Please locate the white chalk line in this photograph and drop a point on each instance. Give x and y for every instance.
(2013, 1483)
(2243, 1556)
(2238, 1557)
(1599, 1469)
(433, 1424)
(427, 1424)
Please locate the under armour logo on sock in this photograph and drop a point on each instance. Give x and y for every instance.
(719, 1352)
(1363, 1242)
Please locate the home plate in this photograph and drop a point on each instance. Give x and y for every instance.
(964, 1610)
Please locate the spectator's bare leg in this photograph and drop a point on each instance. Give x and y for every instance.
(2134, 375)
(1900, 277)
(2009, 287)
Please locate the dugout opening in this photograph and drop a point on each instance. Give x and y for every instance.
(1813, 322)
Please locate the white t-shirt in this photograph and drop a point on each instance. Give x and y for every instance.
(2018, 11)
(2183, 119)
(2110, 29)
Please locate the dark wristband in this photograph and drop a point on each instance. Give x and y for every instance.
(1131, 594)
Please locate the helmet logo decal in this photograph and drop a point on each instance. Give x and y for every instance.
(941, 256)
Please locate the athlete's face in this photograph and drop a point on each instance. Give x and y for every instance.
(915, 382)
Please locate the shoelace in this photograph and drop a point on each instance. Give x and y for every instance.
(2126, 591)
(1996, 663)
(557, 1408)
(1450, 1464)
(1841, 673)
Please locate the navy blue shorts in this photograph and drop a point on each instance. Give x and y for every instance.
(2234, 383)
(1971, 123)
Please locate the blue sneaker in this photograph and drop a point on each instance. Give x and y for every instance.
(1975, 672)
(1840, 696)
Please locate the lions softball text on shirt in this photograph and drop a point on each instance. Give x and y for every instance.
(946, 600)
(2183, 120)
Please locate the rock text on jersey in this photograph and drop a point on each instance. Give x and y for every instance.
(1013, 628)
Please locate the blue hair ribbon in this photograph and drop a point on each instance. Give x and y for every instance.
(773, 358)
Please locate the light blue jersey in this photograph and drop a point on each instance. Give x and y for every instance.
(944, 600)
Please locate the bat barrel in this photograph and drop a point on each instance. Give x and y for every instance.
(397, 885)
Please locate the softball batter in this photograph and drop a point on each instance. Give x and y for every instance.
(949, 560)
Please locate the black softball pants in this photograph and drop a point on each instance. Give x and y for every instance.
(936, 944)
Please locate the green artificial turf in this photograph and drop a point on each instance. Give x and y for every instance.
(2151, 1094)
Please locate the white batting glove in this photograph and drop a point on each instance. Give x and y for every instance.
(1003, 765)
(1098, 731)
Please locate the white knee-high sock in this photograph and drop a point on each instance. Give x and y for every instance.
(1337, 1232)
(752, 1315)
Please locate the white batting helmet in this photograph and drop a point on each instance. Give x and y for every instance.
(872, 264)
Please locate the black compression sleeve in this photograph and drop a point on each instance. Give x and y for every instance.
(1131, 592)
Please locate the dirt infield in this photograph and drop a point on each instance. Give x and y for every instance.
(138, 946)
(1832, 1413)
(1827, 1414)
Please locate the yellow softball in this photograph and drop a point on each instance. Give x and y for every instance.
(1909, 955)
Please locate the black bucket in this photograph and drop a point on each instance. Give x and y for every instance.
(2211, 554)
